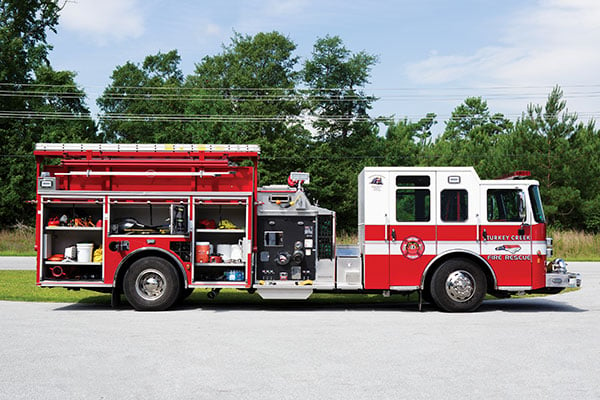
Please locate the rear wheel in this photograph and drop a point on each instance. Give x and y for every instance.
(151, 284)
(458, 286)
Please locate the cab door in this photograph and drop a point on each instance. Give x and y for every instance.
(505, 235)
(412, 228)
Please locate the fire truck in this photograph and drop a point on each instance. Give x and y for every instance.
(156, 221)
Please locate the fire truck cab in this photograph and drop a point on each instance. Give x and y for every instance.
(446, 232)
(156, 221)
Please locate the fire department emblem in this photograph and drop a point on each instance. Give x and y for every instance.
(412, 247)
(511, 248)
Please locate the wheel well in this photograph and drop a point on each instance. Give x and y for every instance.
(133, 257)
(489, 275)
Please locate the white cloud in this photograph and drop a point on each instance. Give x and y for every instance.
(554, 42)
(211, 29)
(103, 21)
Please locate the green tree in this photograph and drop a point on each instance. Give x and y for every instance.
(471, 138)
(547, 140)
(335, 77)
(32, 88)
(345, 135)
(249, 89)
(145, 103)
(406, 142)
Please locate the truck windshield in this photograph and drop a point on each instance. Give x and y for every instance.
(536, 202)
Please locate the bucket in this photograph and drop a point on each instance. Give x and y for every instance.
(84, 252)
(224, 250)
(202, 252)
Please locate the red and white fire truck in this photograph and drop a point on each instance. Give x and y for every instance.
(155, 221)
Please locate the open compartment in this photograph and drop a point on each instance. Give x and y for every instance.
(72, 232)
(148, 217)
(221, 240)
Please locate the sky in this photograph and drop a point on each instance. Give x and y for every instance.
(432, 54)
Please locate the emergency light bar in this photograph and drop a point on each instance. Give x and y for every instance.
(517, 175)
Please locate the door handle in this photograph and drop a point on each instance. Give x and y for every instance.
(484, 234)
(393, 235)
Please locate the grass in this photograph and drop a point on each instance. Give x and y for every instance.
(576, 245)
(18, 241)
(20, 286)
(343, 237)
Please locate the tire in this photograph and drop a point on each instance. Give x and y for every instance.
(151, 284)
(458, 286)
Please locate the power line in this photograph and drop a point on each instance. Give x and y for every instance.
(400, 88)
(306, 118)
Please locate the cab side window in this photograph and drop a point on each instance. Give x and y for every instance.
(503, 205)
(413, 199)
(454, 205)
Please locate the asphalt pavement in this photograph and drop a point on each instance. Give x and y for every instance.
(17, 263)
(534, 348)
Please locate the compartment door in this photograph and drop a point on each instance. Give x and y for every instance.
(412, 227)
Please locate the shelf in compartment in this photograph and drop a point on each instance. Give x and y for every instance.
(221, 230)
(220, 265)
(73, 228)
(72, 263)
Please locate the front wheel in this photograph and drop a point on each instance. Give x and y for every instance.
(458, 286)
(151, 284)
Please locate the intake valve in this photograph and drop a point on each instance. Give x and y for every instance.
(57, 271)
(283, 258)
(298, 256)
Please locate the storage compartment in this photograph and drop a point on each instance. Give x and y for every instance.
(219, 273)
(150, 217)
(221, 240)
(62, 214)
(71, 233)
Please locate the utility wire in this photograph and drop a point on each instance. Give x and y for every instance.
(307, 118)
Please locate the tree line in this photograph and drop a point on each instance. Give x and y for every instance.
(311, 115)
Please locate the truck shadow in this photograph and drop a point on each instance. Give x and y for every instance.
(530, 305)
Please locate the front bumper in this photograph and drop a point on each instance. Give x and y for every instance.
(563, 280)
(560, 277)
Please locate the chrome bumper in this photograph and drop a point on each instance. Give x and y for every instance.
(563, 280)
(560, 277)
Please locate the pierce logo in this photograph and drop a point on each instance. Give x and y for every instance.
(377, 180)
(412, 247)
(376, 183)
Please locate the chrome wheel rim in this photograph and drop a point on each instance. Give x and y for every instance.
(150, 284)
(460, 286)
